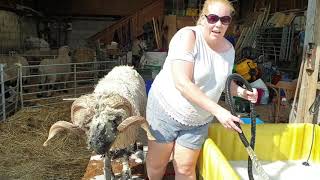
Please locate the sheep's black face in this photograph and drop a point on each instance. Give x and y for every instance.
(103, 134)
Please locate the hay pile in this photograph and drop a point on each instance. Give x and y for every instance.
(24, 157)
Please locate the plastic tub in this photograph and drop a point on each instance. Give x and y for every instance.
(274, 142)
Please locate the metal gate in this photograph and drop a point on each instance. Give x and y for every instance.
(36, 89)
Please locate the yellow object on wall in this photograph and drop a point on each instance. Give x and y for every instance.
(244, 68)
(273, 142)
(192, 12)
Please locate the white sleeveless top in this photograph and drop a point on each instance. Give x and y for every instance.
(211, 70)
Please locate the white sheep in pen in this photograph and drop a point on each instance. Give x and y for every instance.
(10, 74)
(112, 115)
(12, 63)
(51, 72)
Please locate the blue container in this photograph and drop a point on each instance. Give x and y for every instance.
(248, 121)
(148, 85)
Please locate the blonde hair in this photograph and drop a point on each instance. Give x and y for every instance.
(205, 10)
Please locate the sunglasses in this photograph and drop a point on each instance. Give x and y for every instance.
(212, 18)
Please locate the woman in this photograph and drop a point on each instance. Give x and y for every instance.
(183, 97)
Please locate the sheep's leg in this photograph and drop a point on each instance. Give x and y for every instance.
(126, 171)
(64, 85)
(52, 79)
(42, 87)
(59, 79)
(108, 174)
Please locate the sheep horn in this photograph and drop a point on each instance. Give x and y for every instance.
(61, 126)
(76, 106)
(145, 127)
(130, 121)
(82, 103)
(116, 101)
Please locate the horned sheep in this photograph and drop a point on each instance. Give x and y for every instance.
(112, 115)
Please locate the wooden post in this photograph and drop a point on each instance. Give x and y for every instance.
(155, 30)
(309, 79)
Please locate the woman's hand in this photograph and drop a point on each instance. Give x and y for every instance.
(244, 93)
(228, 120)
(250, 96)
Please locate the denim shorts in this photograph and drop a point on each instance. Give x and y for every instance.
(166, 129)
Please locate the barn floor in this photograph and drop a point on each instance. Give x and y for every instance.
(24, 157)
(95, 169)
(66, 157)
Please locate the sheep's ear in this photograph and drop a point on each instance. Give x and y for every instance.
(133, 120)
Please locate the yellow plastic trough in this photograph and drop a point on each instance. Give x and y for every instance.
(273, 142)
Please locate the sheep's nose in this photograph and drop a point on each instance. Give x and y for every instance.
(101, 138)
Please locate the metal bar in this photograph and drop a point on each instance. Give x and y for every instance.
(38, 75)
(57, 90)
(83, 63)
(38, 55)
(54, 97)
(3, 94)
(75, 79)
(18, 88)
(85, 80)
(58, 102)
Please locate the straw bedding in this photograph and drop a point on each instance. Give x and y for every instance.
(24, 157)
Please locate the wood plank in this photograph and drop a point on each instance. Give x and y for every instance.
(94, 168)
(183, 21)
(155, 30)
(93, 8)
(139, 18)
(293, 112)
(309, 81)
(170, 22)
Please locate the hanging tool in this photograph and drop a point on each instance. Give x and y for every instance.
(314, 109)
(249, 147)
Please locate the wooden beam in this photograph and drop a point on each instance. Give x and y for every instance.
(309, 83)
(155, 30)
(138, 19)
(92, 7)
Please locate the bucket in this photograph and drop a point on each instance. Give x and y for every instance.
(248, 120)
(148, 85)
